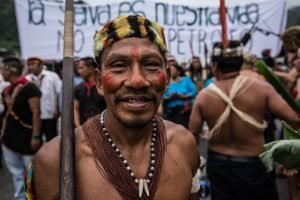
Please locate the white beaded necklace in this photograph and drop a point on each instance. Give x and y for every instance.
(142, 183)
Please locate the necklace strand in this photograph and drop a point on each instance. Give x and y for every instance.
(142, 183)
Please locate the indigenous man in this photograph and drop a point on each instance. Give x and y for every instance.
(234, 108)
(21, 124)
(127, 152)
(88, 102)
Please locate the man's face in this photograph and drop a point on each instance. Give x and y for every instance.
(5, 73)
(34, 67)
(84, 71)
(133, 79)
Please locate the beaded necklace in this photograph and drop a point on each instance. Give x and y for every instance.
(142, 183)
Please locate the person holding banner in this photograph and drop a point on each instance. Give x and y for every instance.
(126, 152)
(236, 124)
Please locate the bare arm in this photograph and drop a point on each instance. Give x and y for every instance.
(46, 171)
(278, 106)
(195, 123)
(76, 113)
(34, 104)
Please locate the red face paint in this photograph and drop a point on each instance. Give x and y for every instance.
(162, 78)
(109, 81)
(134, 51)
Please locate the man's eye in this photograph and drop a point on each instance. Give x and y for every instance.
(153, 65)
(118, 66)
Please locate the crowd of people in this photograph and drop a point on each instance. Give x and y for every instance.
(131, 96)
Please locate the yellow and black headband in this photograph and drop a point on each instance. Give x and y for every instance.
(129, 26)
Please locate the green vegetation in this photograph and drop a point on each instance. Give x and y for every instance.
(8, 28)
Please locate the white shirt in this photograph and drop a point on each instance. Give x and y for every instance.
(49, 84)
(3, 86)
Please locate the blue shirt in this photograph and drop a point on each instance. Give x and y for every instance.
(185, 86)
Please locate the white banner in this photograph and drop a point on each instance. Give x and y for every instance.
(189, 25)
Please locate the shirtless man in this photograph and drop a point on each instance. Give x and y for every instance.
(234, 108)
(127, 152)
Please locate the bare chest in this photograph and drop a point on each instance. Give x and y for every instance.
(174, 182)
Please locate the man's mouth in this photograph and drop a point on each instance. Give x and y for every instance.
(136, 101)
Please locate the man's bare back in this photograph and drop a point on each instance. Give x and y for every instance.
(179, 166)
(237, 137)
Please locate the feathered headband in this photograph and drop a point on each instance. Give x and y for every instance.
(125, 27)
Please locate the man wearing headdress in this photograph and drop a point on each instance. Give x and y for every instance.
(126, 152)
(234, 108)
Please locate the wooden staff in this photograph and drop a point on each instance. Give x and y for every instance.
(67, 157)
(223, 23)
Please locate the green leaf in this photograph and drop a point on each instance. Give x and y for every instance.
(289, 132)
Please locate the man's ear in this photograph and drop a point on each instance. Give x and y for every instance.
(168, 71)
(98, 81)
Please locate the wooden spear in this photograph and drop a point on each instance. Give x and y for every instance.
(67, 157)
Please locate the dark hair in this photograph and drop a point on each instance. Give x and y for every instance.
(89, 61)
(179, 68)
(191, 68)
(228, 62)
(14, 65)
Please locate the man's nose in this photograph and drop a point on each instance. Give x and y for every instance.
(137, 79)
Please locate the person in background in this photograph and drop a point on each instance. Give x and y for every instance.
(234, 108)
(291, 42)
(195, 72)
(178, 99)
(50, 85)
(3, 84)
(248, 68)
(77, 79)
(88, 102)
(21, 130)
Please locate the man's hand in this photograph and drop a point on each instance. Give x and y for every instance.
(35, 144)
(288, 172)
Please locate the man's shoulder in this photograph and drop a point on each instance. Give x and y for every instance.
(177, 134)
(48, 154)
(51, 75)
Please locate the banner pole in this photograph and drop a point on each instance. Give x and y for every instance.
(67, 157)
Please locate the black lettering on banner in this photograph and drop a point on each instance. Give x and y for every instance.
(213, 18)
(201, 39)
(79, 40)
(101, 15)
(80, 15)
(36, 12)
(191, 23)
(231, 33)
(215, 35)
(180, 12)
(138, 12)
(160, 8)
(61, 8)
(125, 8)
(234, 15)
(253, 13)
(172, 35)
(168, 14)
(179, 42)
(60, 39)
